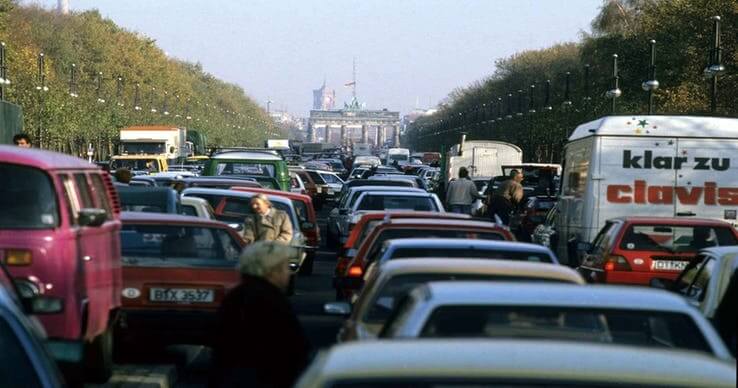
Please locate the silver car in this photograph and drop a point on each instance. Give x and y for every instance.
(606, 314)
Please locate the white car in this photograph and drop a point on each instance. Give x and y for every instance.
(334, 183)
(384, 288)
(638, 317)
(511, 363)
(197, 207)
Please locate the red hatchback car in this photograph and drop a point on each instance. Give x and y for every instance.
(634, 250)
(176, 271)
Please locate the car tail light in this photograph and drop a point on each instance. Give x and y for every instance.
(18, 257)
(617, 263)
(355, 271)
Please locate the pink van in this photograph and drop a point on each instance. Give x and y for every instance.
(59, 238)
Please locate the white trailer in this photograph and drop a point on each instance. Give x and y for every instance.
(483, 158)
(662, 166)
(170, 142)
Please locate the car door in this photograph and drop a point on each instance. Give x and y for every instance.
(110, 234)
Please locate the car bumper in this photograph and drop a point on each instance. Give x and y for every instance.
(634, 278)
(168, 326)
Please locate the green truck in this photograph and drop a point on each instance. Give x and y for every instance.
(249, 163)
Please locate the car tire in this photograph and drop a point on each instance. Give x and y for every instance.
(307, 266)
(99, 358)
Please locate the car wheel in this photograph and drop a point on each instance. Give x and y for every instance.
(99, 358)
(307, 265)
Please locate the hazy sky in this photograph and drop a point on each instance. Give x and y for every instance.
(406, 50)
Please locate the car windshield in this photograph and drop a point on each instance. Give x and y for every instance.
(151, 165)
(385, 300)
(467, 252)
(27, 198)
(177, 246)
(244, 168)
(644, 328)
(382, 202)
(236, 209)
(676, 239)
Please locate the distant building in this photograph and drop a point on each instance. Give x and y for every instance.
(323, 98)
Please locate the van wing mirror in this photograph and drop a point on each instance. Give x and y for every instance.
(91, 217)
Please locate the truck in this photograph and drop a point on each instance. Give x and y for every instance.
(316, 148)
(362, 149)
(662, 166)
(399, 155)
(483, 158)
(278, 144)
(151, 148)
(197, 143)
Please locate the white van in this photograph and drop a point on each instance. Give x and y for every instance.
(400, 155)
(483, 158)
(659, 166)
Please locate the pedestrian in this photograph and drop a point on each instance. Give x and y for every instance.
(259, 341)
(267, 223)
(461, 193)
(22, 140)
(508, 196)
(123, 176)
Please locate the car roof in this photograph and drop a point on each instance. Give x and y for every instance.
(467, 244)
(387, 188)
(672, 221)
(407, 193)
(399, 214)
(233, 193)
(564, 295)
(42, 159)
(192, 201)
(471, 223)
(246, 155)
(480, 266)
(286, 194)
(659, 126)
(168, 218)
(523, 359)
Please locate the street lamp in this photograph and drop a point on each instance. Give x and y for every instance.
(520, 103)
(165, 108)
(73, 81)
(42, 88)
(3, 72)
(715, 67)
(509, 106)
(98, 90)
(615, 91)
(119, 91)
(151, 100)
(531, 100)
(651, 84)
(567, 92)
(547, 103)
(137, 97)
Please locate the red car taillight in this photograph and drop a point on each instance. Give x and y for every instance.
(355, 271)
(617, 263)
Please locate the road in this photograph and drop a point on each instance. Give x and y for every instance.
(188, 366)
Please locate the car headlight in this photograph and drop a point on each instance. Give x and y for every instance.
(27, 288)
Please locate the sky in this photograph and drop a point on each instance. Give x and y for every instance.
(408, 52)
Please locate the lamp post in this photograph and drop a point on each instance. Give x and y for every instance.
(165, 107)
(151, 100)
(3, 72)
(119, 91)
(137, 97)
(499, 108)
(587, 94)
(547, 103)
(73, 81)
(651, 84)
(615, 91)
(98, 88)
(509, 106)
(567, 92)
(715, 67)
(41, 88)
(520, 103)
(531, 100)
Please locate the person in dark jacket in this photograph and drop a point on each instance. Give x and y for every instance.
(259, 340)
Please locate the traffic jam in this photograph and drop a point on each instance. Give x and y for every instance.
(466, 268)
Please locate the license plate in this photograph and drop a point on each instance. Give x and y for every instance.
(181, 295)
(669, 265)
(331, 192)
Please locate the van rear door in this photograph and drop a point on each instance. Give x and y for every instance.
(635, 177)
(707, 183)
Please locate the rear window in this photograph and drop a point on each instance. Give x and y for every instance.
(536, 257)
(655, 329)
(173, 245)
(189, 210)
(244, 168)
(317, 179)
(382, 202)
(386, 299)
(27, 198)
(301, 210)
(391, 234)
(675, 239)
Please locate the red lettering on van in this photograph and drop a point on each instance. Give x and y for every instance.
(640, 192)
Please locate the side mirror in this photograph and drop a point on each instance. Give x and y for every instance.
(662, 283)
(343, 211)
(238, 227)
(91, 217)
(337, 308)
(307, 225)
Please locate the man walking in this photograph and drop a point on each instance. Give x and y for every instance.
(506, 198)
(461, 193)
(267, 223)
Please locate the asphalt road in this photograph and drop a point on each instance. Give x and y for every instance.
(188, 366)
